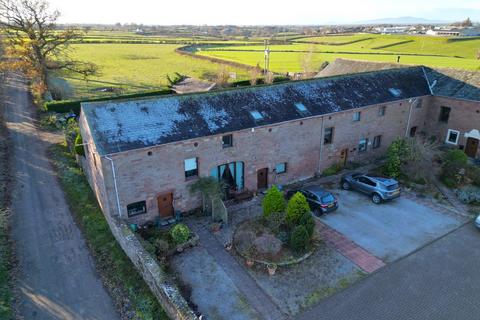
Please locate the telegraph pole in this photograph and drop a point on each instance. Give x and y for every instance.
(267, 57)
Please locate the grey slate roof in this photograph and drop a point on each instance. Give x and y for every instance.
(453, 83)
(125, 125)
(460, 84)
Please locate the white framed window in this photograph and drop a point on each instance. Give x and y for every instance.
(362, 145)
(356, 116)
(191, 167)
(281, 167)
(452, 136)
(381, 111)
(136, 208)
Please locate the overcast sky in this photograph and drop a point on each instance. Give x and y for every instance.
(248, 12)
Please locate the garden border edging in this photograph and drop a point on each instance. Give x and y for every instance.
(266, 263)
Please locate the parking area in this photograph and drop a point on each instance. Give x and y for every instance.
(389, 230)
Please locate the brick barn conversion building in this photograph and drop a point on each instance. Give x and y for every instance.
(142, 154)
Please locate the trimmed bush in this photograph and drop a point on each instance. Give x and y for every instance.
(273, 201)
(78, 147)
(64, 106)
(180, 233)
(455, 156)
(299, 240)
(308, 222)
(296, 208)
(275, 220)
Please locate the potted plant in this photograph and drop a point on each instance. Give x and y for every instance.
(271, 268)
(215, 226)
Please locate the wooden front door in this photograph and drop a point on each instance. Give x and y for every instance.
(343, 157)
(165, 205)
(262, 178)
(471, 147)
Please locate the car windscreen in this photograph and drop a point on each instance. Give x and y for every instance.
(327, 198)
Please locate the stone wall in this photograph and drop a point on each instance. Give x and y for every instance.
(166, 292)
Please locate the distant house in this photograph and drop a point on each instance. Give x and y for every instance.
(141, 155)
(462, 32)
(470, 32)
(443, 32)
(390, 30)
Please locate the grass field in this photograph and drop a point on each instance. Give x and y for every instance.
(292, 61)
(136, 67)
(431, 51)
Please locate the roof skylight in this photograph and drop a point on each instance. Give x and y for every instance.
(395, 92)
(301, 108)
(256, 115)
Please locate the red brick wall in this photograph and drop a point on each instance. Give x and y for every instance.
(464, 116)
(143, 177)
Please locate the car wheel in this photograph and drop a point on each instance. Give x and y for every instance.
(318, 212)
(345, 185)
(376, 198)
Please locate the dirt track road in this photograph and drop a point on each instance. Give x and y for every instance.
(56, 276)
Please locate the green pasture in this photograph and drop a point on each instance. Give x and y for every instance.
(292, 61)
(136, 67)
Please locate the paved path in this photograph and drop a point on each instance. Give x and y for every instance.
(56, 277)
(438, 282)
(349, 249)
(255, 296)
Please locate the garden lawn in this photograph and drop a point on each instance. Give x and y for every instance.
(117, 270)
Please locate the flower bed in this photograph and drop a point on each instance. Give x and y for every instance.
(255, 242)
(161, 243)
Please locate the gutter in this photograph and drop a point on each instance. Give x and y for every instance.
(322, 133)
(115, 185)
(428, 81)
(410, 116)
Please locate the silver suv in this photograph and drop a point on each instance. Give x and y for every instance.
(380, 189)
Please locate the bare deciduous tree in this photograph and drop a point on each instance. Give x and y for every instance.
(269, 77)
(254, 74)
(34, 42)
(222, 76)
(421, 155)
(307, 63)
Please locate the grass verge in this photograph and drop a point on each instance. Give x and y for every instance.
(131, 294)
(6, 253)
(6, 296)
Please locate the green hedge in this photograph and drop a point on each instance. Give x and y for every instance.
(63, 106)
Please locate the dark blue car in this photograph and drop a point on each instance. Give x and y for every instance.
(320, 200)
